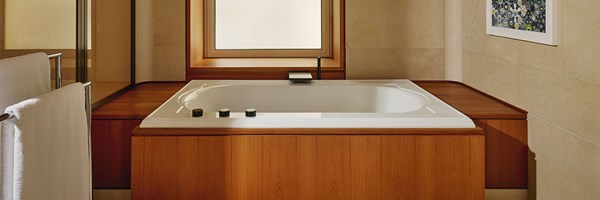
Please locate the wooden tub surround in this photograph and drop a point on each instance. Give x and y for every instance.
(311, 163)
(308, 164)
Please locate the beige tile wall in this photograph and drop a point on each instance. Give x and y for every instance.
(160, 41)
(111, 55)
(559, 86)
(395, 39)
(385, 39)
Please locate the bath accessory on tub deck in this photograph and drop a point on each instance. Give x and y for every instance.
(303, 77)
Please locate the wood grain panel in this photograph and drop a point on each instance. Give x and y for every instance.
(205, 157)
(247, 164)
(398, 162)
(452, 168)
(506, 153)
(137, 167)
(138, 102)
(472, 102)
(279, 169)
(160, 168)
(307, 167)
(101, 153)
(188, 169)
(111, 153)
(365, 167)
(425, 161)
(333, 174)
(477, 149)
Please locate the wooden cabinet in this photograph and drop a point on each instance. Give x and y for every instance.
(111, 132)
(505, 129)
(506, 153)
(111, 153)
(308, 167)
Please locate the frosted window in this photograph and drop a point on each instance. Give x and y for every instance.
(268, 24)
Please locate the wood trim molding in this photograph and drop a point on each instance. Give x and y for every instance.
(198, 68)
(210, 50)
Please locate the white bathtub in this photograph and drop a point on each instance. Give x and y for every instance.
(320, 104)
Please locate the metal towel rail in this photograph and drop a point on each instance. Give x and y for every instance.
(58, 81)
(88, 106)
(57, 64)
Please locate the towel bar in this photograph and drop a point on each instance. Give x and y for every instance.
(58, 81)
(57, 64)
(88, 106)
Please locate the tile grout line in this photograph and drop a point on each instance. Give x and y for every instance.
(564, 130)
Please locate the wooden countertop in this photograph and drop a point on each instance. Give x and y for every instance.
(138, 102)
(144, 98)
(472, 102)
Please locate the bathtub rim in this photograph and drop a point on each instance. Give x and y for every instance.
(457, 119)
(138, 131)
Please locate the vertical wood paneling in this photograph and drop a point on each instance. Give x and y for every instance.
(365, 154)
(203, 171)
(477, 150)
(188, 169)
(101, 153)
(246, 169)
(307, 167)
(279, 168)
(137, 165)
(333, 172)
(122, 153)
(425, 161)
(452, 167)
(398, 163)
(160, 168)
(213, 153)
(506, 153)
(111, 153)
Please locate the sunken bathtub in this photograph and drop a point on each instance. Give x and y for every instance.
(338, 139)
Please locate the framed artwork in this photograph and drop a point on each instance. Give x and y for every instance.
(529, 20)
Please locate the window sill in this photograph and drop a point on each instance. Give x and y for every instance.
(265, 63)
(255, 68)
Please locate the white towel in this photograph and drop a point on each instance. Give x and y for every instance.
(21, 78)
(51, 159)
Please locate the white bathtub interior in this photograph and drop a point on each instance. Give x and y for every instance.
(319, 104)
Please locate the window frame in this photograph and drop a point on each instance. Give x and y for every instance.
(210, 40)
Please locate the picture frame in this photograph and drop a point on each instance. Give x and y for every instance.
(528, 20)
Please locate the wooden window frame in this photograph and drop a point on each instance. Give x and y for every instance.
(212, 52)
(199, 66)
